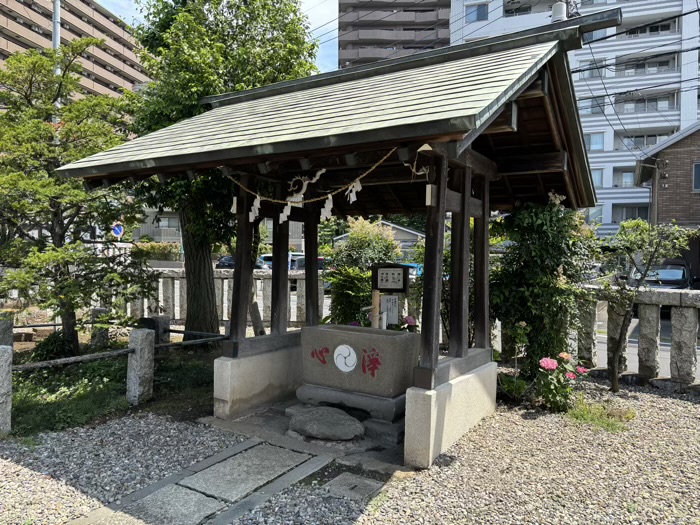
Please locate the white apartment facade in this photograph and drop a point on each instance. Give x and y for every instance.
(634, 89)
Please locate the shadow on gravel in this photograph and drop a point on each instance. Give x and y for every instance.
(532, 414)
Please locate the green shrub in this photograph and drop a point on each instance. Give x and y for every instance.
(351, 290)
(368, 243)
(513, 387)
(156, 251)
(551, 251)
(55, 346)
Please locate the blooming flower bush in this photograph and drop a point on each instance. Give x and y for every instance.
(554, 381)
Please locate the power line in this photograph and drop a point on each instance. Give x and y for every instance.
(614, 67)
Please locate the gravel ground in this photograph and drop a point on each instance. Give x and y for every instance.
(530, 467)
(68, 473)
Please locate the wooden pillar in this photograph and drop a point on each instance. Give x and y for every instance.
(424, 374)
(311, 219)
(481, 271)
(280, 276)
(459, 279)
(243, 274)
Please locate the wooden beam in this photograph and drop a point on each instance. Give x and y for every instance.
(242, 277)
(482, 325)
(539, 88)
(507, 121)
(533, 164)
(454, 203)
(311, 220)
(424, 374)
(467, 158)
(459, 280)
(279, 312)
(271, 210)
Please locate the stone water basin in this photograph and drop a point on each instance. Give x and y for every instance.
(360, 360)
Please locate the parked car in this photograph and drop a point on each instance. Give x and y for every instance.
(226, 262)
(266, 259)
(672, 274)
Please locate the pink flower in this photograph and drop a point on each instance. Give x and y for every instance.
(548, 363)
(410, 320)
(565, 356)
(570, 375)
(582, 370)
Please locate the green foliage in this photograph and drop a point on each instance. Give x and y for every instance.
(550, 253)
(413, 222)
(351, 290)
(156, 251)
(600, 416)
(632, 252)
(55, 346)
(513, 387)
(328, 230)
(56, 268)
(59, 398)
(368, 243)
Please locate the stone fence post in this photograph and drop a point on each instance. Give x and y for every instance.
(588, 333)
(649, 340)
(139, 372)
(5, 389)
(162, 327)
(99, 336)
(684, 328)
(7, 325)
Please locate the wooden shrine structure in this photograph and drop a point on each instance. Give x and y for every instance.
(468, 129)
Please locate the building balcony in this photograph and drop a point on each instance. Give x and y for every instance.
(635, 9)
(595, 86)
(366, 16)
(632, 120)
(382, 36)
(358, 56)
(622, 45)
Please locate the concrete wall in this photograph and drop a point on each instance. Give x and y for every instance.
(437, 419)
(248, 382)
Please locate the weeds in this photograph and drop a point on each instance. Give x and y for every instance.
(600, 416)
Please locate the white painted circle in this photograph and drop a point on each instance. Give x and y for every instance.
(345, 358)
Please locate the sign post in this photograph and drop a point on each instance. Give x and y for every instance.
(387, 279)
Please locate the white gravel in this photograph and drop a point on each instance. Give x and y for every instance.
(530, 467)
(70, 472)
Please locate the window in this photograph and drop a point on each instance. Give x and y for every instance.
(594, 141)
(476, 13)
(696, 176)
(623, 213)
(167, 222)
(593, 35)
(623, 179)
(594, 215)
(592, 68)
(597, 174)
(520, 10)
(592, 106)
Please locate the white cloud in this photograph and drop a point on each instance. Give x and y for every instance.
(322, 15)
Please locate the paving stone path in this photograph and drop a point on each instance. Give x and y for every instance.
(214, 491)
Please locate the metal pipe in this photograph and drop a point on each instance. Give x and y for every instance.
(192, 343)
(56, 36)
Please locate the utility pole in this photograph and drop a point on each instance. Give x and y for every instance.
(56, 40)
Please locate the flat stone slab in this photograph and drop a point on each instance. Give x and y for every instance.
(352, 486)
(241, 474)
(173, 505)
(326, 423)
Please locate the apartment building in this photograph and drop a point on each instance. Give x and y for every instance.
(374, 30)
(27, 24)
(636, 84)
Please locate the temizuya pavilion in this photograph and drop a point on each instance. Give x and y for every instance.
(468, 129)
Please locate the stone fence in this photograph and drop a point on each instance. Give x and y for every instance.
(172, 295)
(683, 305)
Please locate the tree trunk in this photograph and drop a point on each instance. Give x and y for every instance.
(614, 367)
(202, 315)
(69, 327)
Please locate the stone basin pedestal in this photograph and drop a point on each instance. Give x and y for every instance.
(358, 367)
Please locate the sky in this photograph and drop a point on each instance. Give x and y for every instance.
(322, 15)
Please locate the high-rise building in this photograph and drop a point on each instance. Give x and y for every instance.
(636, 84)
(27, 24)
(377, 29)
